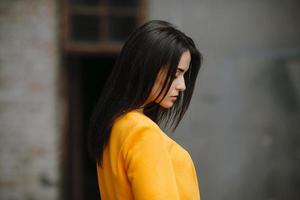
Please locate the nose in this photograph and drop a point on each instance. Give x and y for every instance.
(180, 86)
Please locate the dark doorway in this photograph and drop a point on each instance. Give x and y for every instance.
(87, 75)
(92, 35)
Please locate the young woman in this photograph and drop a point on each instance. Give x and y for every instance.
(151, 84)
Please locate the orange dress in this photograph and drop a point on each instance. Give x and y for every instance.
(141, 162)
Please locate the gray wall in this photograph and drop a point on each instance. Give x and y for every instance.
(29, 113)
(242, 128)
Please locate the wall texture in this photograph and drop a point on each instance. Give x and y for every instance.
(242, 126)
(29, 112)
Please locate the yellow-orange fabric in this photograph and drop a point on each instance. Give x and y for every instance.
(141, 162)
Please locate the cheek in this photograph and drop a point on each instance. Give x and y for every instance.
(156, 89)
(172, 88)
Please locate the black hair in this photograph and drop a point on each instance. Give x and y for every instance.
(154, 46)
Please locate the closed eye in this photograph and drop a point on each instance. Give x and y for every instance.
(179, 69)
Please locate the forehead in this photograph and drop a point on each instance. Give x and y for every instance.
(185, 60)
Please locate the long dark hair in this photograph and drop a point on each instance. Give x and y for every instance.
(154, 46)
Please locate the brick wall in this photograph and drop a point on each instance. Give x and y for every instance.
(29, 127)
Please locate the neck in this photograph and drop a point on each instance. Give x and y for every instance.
(141, 110)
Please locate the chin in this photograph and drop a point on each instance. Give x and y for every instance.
(167, 104)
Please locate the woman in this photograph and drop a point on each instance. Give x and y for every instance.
(151, 84)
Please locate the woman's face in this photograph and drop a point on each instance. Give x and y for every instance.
(177, 86)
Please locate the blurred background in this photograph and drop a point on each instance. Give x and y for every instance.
(242, 128)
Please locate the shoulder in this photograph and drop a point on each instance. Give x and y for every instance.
(133, 128)
(140, 139)
(133, 120)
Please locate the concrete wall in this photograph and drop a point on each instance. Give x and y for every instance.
(242, 128)
(29, 116)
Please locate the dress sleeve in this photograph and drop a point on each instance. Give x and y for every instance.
(149, 166)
